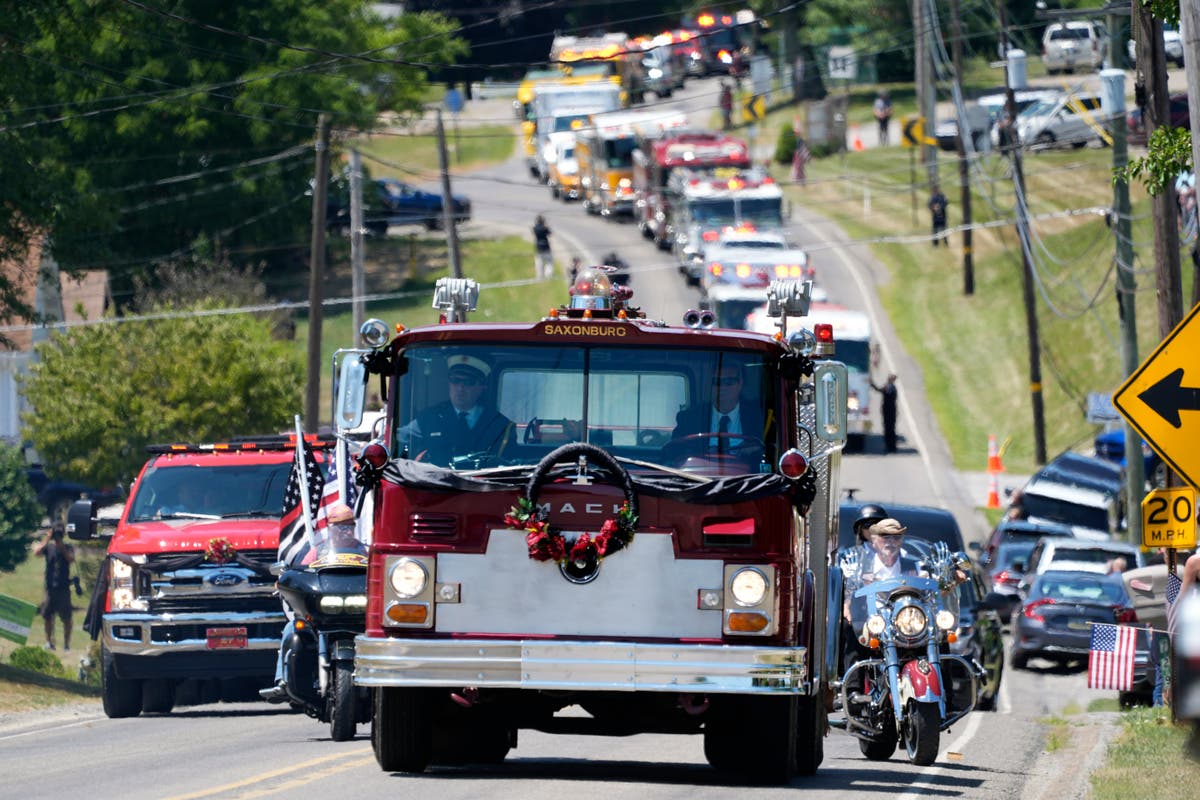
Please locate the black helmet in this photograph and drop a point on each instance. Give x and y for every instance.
(868, 515)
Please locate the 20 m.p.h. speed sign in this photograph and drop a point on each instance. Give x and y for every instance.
(1169, 519)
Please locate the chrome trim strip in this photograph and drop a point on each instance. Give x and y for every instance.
(144, 622)
(580, 666)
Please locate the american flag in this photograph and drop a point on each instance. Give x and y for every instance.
(339, 485)
(1110, 658)
(293, 535)
(1174, 584)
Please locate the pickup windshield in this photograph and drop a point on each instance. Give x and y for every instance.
(195, 492)
(484, 406)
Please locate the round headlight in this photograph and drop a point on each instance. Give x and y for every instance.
(875, 625)
(910, 621)
(409, 578)
(749, 587)
(946, 620)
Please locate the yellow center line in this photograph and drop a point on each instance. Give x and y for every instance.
(304, 767)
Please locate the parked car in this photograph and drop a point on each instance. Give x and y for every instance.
(926, 522)
(980, 636)
(1089, 512)
(1006, 569)
(386, 202)
(1110, 445)
(1070, 119)
(1017, 531)
(1076, 469)
(1177, 114)
(979, 122)
(1172, 47)
(1066, 46)
(1056, 555)
(1055, 623)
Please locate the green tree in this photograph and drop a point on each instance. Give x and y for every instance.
(132, 130)
(98, 394)
(20, 512)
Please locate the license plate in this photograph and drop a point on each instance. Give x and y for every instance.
(227, 638)
(1076, 625)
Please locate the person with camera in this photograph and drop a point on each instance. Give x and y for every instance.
(57, 601)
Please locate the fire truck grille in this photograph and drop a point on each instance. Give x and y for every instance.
(441, 526)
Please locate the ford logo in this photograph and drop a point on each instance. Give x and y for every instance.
(223, 579)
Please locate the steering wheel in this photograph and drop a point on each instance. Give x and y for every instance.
(694, 444)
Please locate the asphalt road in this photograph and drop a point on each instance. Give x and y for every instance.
(254, 750)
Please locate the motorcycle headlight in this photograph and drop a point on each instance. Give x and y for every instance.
(875, 625)
(748, 586)
(408, 578)
(946, 620)
(910, 621)
(356, 602)
(332, 603)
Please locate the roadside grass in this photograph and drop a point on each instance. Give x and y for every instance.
(21, 697)
(1058, 733)
(1146, 760)
(972, 350)
(414, 157)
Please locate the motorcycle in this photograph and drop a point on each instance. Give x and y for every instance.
(904, 697)
(329, 598)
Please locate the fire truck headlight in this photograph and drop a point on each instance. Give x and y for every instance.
(749, 587)
(409, 578)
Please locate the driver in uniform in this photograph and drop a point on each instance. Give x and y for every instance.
(725, 413)
(463, 423)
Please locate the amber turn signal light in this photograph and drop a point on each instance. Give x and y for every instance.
(747, 621)
(408, 613)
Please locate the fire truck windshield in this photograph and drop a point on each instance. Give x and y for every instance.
(619, 152)
(656, 405)
(166, 491)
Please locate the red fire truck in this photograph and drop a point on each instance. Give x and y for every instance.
(185, 605)
(655, 161)
(593, 553)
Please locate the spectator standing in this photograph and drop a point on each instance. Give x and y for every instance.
(887, 410)
(726, 103)
(543, 262)
(937, 208)
(883, 115)
(57, 601)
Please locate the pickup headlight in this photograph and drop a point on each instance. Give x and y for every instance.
(122, 587)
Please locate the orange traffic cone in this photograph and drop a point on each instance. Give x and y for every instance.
(993, 498)
(856, 142)
(994, 463)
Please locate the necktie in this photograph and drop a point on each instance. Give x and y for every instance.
(723, 427)
(462, 418)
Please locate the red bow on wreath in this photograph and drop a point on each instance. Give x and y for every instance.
(220, 551)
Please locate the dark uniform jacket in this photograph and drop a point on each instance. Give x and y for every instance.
(437, 434)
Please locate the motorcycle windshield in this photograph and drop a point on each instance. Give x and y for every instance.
(338, 547)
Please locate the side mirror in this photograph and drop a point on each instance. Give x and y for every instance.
(277, 568)
(351, 392)
(81, 524)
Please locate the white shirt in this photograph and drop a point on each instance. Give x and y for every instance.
(472, 415)
(882, 571)
(735, 426)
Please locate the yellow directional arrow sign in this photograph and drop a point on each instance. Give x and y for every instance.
(1161, 399)
(912, 131)
(754, 109)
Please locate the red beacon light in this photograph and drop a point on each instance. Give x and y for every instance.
(823, 332)
(592, 290)
(793, 464)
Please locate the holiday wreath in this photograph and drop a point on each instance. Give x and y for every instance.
(219, 551)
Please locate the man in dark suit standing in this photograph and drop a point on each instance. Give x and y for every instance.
(724, 414)
(462, 424)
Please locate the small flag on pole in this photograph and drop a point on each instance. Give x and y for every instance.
(1174, 584)
(295, 526)
(1110, 658)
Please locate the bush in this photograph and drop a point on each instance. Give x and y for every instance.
(20, 512)
(785, 145)
(35, 659)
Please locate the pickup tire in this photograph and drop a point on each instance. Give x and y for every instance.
(122, 696)
(402, 731)
(158, 696)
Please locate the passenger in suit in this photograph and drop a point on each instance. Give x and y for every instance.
(462, 424)
(726, 413)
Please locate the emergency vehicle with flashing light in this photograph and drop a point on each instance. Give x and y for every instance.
(735, 275)
(722, 202)
(615, 51)
(723, 37)
(604, 150)
(185, 605)
(615, 549)
(562, 167)
(563, 75)
(560, 108)
(654, 164)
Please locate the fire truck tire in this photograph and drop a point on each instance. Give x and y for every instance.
(341, 709)
(810, 735)
(122, 696)
(402, 731)
(769, 757)
(158, 695)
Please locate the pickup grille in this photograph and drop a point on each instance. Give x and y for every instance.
(207, 588)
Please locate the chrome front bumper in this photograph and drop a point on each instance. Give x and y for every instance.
(140, 634)
(580, 666)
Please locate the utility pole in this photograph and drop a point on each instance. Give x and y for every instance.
(312, 394)
(448, 217)
(926, 102)
(964, 168)
(1010, 141)
(1189, 25)
(357, 227)
(1114, 99)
